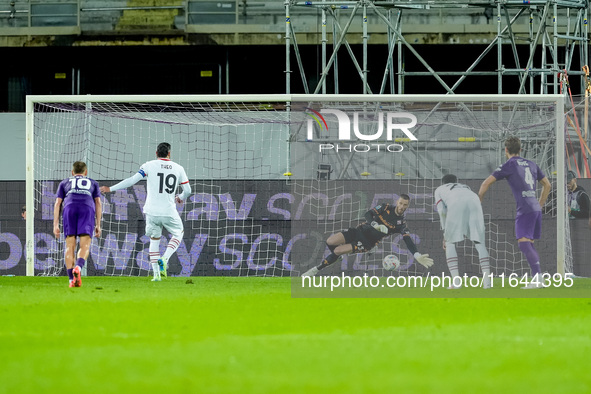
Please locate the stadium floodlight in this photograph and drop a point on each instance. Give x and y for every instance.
(274, 175)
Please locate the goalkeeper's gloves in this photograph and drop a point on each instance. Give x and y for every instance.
(380, 227)
(423, 259)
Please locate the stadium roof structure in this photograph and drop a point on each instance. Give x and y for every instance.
(554, 30)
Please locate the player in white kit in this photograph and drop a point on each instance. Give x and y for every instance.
(460, 213)
(163, 178)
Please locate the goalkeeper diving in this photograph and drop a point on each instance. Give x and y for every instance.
(380, 222)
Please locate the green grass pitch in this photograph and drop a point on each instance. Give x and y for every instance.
(248, 335)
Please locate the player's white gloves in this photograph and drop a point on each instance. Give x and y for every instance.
(423, 259)
(379, 227)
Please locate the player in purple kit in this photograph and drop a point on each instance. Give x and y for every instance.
(82, 212)
(522, 175)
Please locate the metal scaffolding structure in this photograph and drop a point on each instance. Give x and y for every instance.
(556, 29)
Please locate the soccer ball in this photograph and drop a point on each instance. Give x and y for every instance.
(391, 262)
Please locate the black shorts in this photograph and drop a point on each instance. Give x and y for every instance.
(361, 238)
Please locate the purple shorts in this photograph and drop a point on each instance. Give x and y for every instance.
(78, 219)
(528, 225)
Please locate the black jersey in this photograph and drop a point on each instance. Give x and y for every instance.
(578, 202)
(364, 237)
(386, 214)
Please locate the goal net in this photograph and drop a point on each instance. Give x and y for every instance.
(274, 176)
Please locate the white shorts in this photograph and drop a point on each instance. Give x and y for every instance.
(465, 219)
(173, 224)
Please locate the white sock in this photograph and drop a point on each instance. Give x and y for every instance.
(172, 246)
(156, 269)
(483, 258)
(154, 256)
(451, 256)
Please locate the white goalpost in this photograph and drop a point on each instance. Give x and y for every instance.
(274, 175)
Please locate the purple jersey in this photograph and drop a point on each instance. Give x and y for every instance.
(522, 175)
(78, 190)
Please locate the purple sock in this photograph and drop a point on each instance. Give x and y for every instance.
(532, 257)
(70, 274)
(80, 262)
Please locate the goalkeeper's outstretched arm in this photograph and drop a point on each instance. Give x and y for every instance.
(422, 259)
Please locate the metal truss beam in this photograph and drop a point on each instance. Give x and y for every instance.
(556, 28)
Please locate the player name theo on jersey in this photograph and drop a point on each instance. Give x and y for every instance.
(163, 178)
